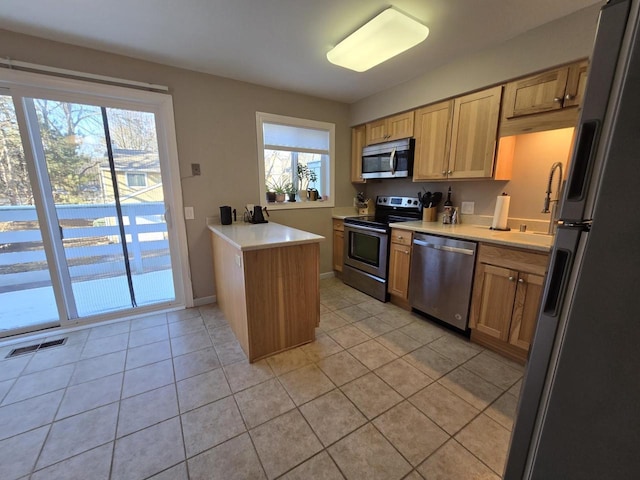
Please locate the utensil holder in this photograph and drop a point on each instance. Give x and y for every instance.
(429, 214)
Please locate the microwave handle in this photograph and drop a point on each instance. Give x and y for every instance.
(392, 161)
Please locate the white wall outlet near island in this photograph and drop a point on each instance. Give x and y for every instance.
(467, 207)
(188, 213)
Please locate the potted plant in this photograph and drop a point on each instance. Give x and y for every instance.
(303, 180)
(291, 191)
(278, 186)
(312, 192)
(271, 195)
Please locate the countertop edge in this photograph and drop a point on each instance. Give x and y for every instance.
(479, 234)
(302, 239)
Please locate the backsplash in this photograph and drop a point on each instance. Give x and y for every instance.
(534, 154)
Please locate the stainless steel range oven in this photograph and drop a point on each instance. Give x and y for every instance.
(366, 244)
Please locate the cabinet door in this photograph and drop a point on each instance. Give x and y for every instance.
(576, 83)
(536, 94)
(474, 134)
(493, 300)
(389, 128)
(357, 143)
(433, 136)
(338, 243)
(338, 249)
(399, 263)
(525, 309)
(399, 126)
(376, 132)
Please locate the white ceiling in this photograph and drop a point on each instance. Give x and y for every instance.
(279, 43)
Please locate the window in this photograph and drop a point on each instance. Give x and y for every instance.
(136, 179)
(295, 154)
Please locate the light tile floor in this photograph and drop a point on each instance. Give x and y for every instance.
(381, 394)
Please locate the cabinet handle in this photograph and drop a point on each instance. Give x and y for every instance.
(511, 279)
(400, 237)
(444, 172)
(449, 172)
(520, 280)
(557, 99)
(406, 252)
(568, 96)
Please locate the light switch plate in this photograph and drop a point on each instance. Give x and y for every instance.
(467, 207)
(188, 213)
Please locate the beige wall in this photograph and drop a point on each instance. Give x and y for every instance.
(216, 127)
(555, 43)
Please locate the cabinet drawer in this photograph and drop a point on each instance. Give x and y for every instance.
(513, 258)
(403, 237)
(338, 225)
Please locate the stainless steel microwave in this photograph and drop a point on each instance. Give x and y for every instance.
(388, 160)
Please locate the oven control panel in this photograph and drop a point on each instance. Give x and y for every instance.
(401, 202)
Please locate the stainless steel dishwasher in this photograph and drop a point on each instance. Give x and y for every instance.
(442, 277)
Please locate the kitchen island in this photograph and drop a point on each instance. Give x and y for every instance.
(267, 284)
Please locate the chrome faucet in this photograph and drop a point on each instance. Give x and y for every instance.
(554, 203)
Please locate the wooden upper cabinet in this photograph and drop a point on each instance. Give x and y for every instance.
(576, 84)
(541, 93)
(457, 139)
(390, 128)
(357, 143)
(474, 133)
(546, 101)
(553, 90)
(433, 136)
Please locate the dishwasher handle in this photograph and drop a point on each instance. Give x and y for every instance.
(446, 248)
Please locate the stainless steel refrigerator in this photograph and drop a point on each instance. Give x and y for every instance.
(579, 411)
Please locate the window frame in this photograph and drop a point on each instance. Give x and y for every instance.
(328, 170)
(144, 176)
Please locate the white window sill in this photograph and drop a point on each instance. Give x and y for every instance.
(299, 205)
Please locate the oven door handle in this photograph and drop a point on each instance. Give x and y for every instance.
(368, 229)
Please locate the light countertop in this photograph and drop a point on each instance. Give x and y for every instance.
(340, 213)
(480, 233)
(248, 236)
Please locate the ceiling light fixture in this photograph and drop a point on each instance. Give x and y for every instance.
(378, 40)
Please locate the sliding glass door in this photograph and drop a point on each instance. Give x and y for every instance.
(98, 214)
(27, 300)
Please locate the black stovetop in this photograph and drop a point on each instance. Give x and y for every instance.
(386, 214)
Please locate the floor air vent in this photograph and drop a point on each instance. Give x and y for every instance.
(38, 346)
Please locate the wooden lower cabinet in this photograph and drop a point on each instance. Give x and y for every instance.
(399, 266)
(338, 244)
(506, 298)
(270, 296)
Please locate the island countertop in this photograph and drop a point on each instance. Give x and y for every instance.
(249, 236)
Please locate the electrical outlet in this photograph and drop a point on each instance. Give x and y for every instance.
(195, 169)
(188, 213)
(468, 207)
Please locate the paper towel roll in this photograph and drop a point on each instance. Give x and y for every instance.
(501, 213)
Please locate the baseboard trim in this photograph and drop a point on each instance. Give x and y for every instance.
(327, 275)
(199, 302)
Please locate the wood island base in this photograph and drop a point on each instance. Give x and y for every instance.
(269, 296)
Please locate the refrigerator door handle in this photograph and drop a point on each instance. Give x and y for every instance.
(583, 160)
